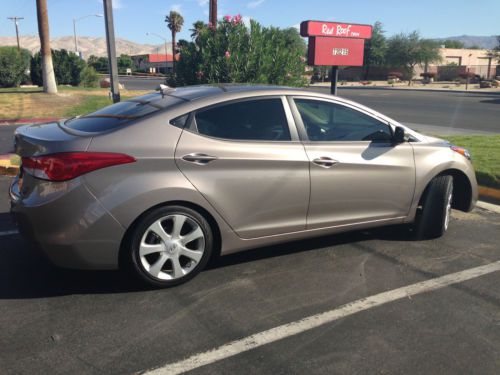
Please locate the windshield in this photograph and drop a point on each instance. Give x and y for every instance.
(116, 115)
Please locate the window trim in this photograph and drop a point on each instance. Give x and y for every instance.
(302, 129)
(192, 127)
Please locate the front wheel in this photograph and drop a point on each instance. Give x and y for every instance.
(170, 245)
(434, 219)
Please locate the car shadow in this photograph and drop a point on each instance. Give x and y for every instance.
(25, 272)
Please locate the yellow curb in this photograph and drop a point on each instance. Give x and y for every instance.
(489, 192)
(10, 170)
(5, 163)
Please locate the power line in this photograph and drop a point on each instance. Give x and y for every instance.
(16, 20)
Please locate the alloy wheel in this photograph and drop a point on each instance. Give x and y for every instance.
(172, 247)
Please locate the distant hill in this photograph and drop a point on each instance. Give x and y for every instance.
(485, 42)
(87, 45)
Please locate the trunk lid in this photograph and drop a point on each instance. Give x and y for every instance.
(48, 138)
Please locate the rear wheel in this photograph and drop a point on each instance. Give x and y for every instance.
(434, 219)
(170, 245)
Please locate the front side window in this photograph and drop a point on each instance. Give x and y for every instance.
(259, 120)
(326, 121)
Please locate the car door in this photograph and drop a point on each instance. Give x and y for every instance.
(248, 162)
(357, 173)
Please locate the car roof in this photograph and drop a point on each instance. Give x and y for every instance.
(202, 91)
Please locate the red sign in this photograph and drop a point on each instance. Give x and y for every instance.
(335, 29)
(335, 51)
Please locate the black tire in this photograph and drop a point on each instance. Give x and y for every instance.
(134, 258)
(432, 221)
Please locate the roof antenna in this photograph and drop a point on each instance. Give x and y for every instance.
(162, 88)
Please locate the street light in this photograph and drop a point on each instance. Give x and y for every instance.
(166, 54)
(75, 20)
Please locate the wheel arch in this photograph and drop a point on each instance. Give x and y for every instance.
(462, 189)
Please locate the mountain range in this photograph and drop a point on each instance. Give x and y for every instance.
(486, 42)
(87, 45)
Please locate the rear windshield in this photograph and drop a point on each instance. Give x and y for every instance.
(116, 115)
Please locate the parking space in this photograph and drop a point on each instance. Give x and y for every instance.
(55, 321)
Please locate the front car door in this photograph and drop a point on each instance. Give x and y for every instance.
(357, 173)
(248, 162)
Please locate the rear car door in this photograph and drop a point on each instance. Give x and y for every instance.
(357, 173)
(248, 162)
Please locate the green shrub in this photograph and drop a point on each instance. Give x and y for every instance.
(67, 68)
(13, 66)
(231, 52)
(89, 77)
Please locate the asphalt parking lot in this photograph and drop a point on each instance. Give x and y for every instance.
(60, 322)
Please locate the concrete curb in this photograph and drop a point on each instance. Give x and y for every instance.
(489, 206)
(412, 89)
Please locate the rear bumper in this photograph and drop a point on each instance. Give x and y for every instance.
(68, 223)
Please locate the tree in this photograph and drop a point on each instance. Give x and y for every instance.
(67, 71)
(13, 66)
(212, 13)
(198, 26)
(124, 62)
(409, 50)
(100, 64)
(49, 79)
(231, 52)
(448, 43)
(375, 48)
(174, 22)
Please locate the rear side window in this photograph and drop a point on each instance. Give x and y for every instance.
(259, 120)
(118, 114)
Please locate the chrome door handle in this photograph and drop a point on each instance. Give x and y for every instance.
(199, 158)
(325, 162)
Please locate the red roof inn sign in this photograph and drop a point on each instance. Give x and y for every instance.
(335, 43)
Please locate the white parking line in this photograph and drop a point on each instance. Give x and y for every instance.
(308, 323)
(9, 232)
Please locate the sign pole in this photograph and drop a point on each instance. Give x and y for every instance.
(334, 77)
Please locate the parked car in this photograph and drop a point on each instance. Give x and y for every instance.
(161, 183)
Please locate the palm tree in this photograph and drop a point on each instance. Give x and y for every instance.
(213, 12)
(49, 81)
(174, 22)
(196, 30)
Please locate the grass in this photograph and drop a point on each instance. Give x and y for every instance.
(15, 160)
(16, 103)
(89, 103)
(485, 151)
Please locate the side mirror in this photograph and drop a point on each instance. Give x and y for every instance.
(399, 135)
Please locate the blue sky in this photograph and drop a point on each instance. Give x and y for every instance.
(133, 18)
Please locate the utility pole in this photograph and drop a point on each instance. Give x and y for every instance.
(49, 79)
(212, 13)
(16, 22)
(110, 44)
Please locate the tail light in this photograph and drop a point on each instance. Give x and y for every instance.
(462, 151)
(69, 165)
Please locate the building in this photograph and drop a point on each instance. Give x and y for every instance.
(153, 63)
(458, 61)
